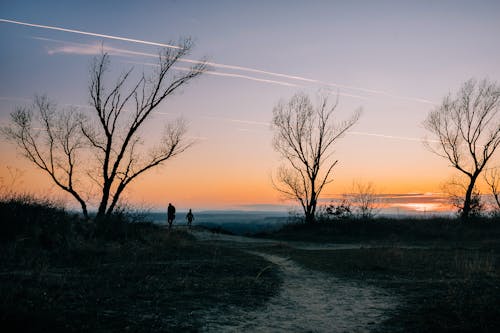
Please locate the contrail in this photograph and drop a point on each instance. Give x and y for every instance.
(79, 49)
(213, 64)
(405, 138)
(119, 51)
(259, 71)
(245, 77)
(90, 34)
(241, 76)
(234, 67)
(384, 136)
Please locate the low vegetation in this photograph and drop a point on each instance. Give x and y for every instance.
(392, 231)
(59, 273)
(438, 290)
(445, 272)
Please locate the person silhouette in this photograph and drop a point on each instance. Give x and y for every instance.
(170, 215)
(189, 218)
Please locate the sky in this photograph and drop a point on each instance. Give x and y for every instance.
(394, 59)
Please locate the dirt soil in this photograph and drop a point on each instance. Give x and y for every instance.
(355, 287)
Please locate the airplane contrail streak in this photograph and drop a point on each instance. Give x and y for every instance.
(252, 70)
(241, 76)
(234, 67)
(252, 78)
(246, 77)
(90, 34)
(405, 138)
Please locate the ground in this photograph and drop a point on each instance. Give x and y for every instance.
(61, 274)
(446, 273)
(114, 287)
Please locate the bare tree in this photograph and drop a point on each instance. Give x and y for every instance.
(492, 178)
(304, 137)
(105, 145)
(364, 199)
(51, 140)
(467, 131)
(455, 188)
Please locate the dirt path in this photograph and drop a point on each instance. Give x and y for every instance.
(308, 301)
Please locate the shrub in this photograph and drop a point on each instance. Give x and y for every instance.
(124, 225)
(43, 223)
(341, 211)
(35, 221)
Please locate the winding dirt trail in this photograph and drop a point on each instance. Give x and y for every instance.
(308, 301)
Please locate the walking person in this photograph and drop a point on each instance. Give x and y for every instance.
(170, 215)
(189, 218)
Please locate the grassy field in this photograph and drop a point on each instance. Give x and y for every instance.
(446, 273)
(392, 231)
(59, 274)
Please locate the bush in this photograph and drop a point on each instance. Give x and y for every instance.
(38, 222)
(341, 211)
(43, 223)
(124, 225)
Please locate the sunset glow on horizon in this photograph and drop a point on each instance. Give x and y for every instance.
(395, 60)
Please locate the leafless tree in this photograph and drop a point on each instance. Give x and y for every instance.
(304, 136)
(455, 187)
(105, 145)
(492, 178)
(365, 200)
(467, 130)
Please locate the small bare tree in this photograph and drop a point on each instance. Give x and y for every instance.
(492, 178)
(304, 137)
(467, 131)
(105, 146)
(365, 200)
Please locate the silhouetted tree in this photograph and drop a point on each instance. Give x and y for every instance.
(455, 187)
(467, 130)
(104, 146)
(304, 136)
(492, 178)
(365, 200)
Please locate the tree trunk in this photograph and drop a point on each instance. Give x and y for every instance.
(84, 209)
(309, 216)
(101, 211)
(310, 212)
(466, 210)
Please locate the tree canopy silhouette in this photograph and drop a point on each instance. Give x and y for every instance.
(105, 146)
(466, 128)
(304, 135)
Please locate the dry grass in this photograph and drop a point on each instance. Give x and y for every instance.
(441, 289)
(68, 276)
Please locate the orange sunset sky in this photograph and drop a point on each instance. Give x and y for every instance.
(394, 59)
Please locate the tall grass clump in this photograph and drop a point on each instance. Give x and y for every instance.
(31, 221)
(125, 224)
(38, 222)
